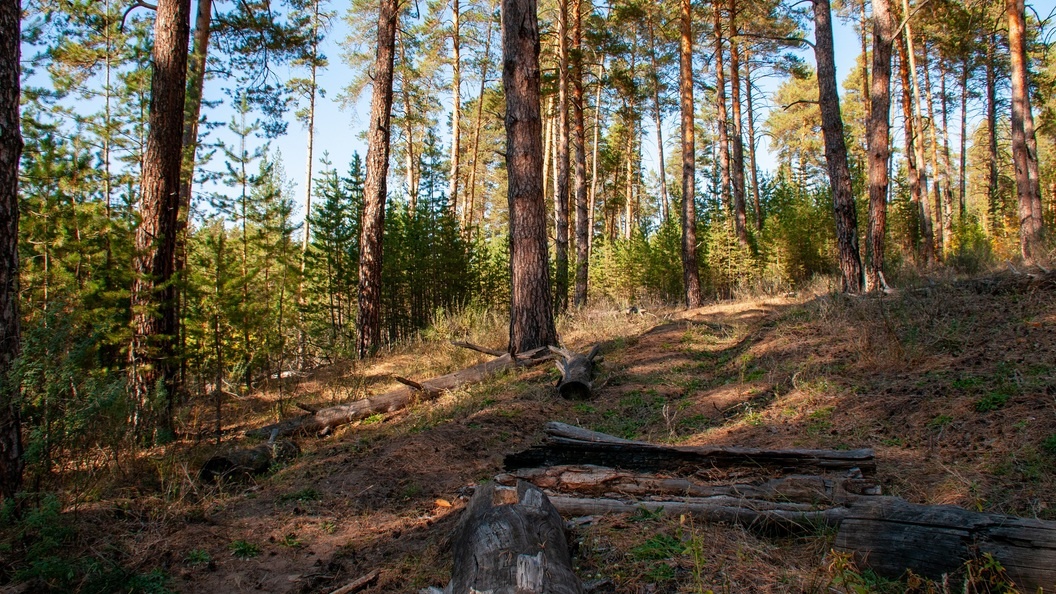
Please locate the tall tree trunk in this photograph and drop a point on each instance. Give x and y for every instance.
(927, 220)
(690, 270)
(302, 335)
(836, 151)
(531, 314)
(720, 107)
(579, 145)
(561, 192)
(151, 354)
(879, 139)
(947, 162)
(593, 199)
(548, 147)
(468, 216)
(913, 171)
(1024, 144)
(993, 208)
(963, 168)
(753, 166)
(941, 183)
(456, 109)
(374, 187)
(658, 120)
(740, 208)
(10, 332)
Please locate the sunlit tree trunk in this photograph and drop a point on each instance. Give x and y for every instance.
(1024, 144)
(658, 121)
(753, 166)
(836, 151)
(740, 208)
(993, 208)
(374, 186)
(11, 462)
(151, 354)
(916, 193)
(720, 106)
(531, 314)
(561, 156)
(941, 183)
(468, 217)
(456, 109)
(593, 199)
(963, 168)
(879, 140)
(579, 141)
(690, 271)
(927, 218)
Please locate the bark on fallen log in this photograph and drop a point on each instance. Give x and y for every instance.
(511, 542)
(616, 453)
(577, 373)
(598, 481)
(890, 535)
(335, 416)
(244, 462)
(763, 516)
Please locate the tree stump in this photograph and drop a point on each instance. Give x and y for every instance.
(244, 462)
(577, 373)
(512, 542)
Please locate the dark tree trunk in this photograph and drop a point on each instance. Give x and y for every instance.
(561, 166)
(374, 186)
(720, 107)
(531, 314)
(151, 354)
(912, 172)
(740, 208)
(1024, 144)
(879, 139)
(690, 272)
(962, 170)
(579, 148)
(836, 151)
(927, 228)
(10, 339)
(991, 133)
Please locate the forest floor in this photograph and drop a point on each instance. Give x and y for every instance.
(952, 383)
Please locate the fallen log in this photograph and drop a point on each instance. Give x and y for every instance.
(359, 584)
(628, 455)
(244, 462)
(789, 518)
(393, 400)
(511, 541)
(479, 349)
(577, 373)
(598, 481)
(890, 535)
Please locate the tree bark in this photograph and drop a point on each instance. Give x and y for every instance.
(658, 121)
(927, 220)
(740, 208)
(690, 270)
(374, 185)
(912, 169)
(531, 313)
(561, 165)
(940, 181)
(302, 335)
(456, 109)
(151, 354)
(722, 119)
(579, 145)
(994, 209)
(836, 151)
(753, 166)
(1024, 144)
(11, 462)
(468, 216)
(879, 140)
(963, 169)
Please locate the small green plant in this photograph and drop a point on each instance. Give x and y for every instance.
(304, 495)
(991, 402)
(290, 540)
(940, 422)
(197, 557)
(373, 419)
(658, 548)
(242, 549)
(329, 527)
(1049, 445)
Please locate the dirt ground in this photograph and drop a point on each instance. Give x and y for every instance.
(952, 384)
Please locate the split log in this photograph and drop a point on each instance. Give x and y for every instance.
(598, 481)
(647, 457)
(890, 535)
(244, 462)
(577, 373)
(402, 397)
(769, 517)
(511, 542)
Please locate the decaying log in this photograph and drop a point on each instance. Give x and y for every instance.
(890, 535)
(577, 373)
(359, 583)
(479, 349)
(244, 462)
(648, 457)
(785, 518)
(335, 416)
(511, 541)
(598, 481)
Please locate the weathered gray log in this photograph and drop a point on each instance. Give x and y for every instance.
(478, 348)
(511, 541)
(598, 481)
(577, 373)
(399, 398)
(558, 430)
(647, 457)
(244, 462)
(890, 535)
(787, 518)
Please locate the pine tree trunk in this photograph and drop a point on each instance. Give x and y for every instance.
(690, 271)
(561, 188)
(753, 166)
(963, 169)
(720, 108)
(879, 140)
(836, 151)
(10, 332)
(579, 145)
(468, 216)
(151, 355)
(993, 208)
(456, 109)
(1024, 144)
(531, 314)
(927, 220)
(593, 198)
(658, 121)
(374, 187)
(939, 185)
(912, 171)
(740, 208)
(302, 335)
(947, 163)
